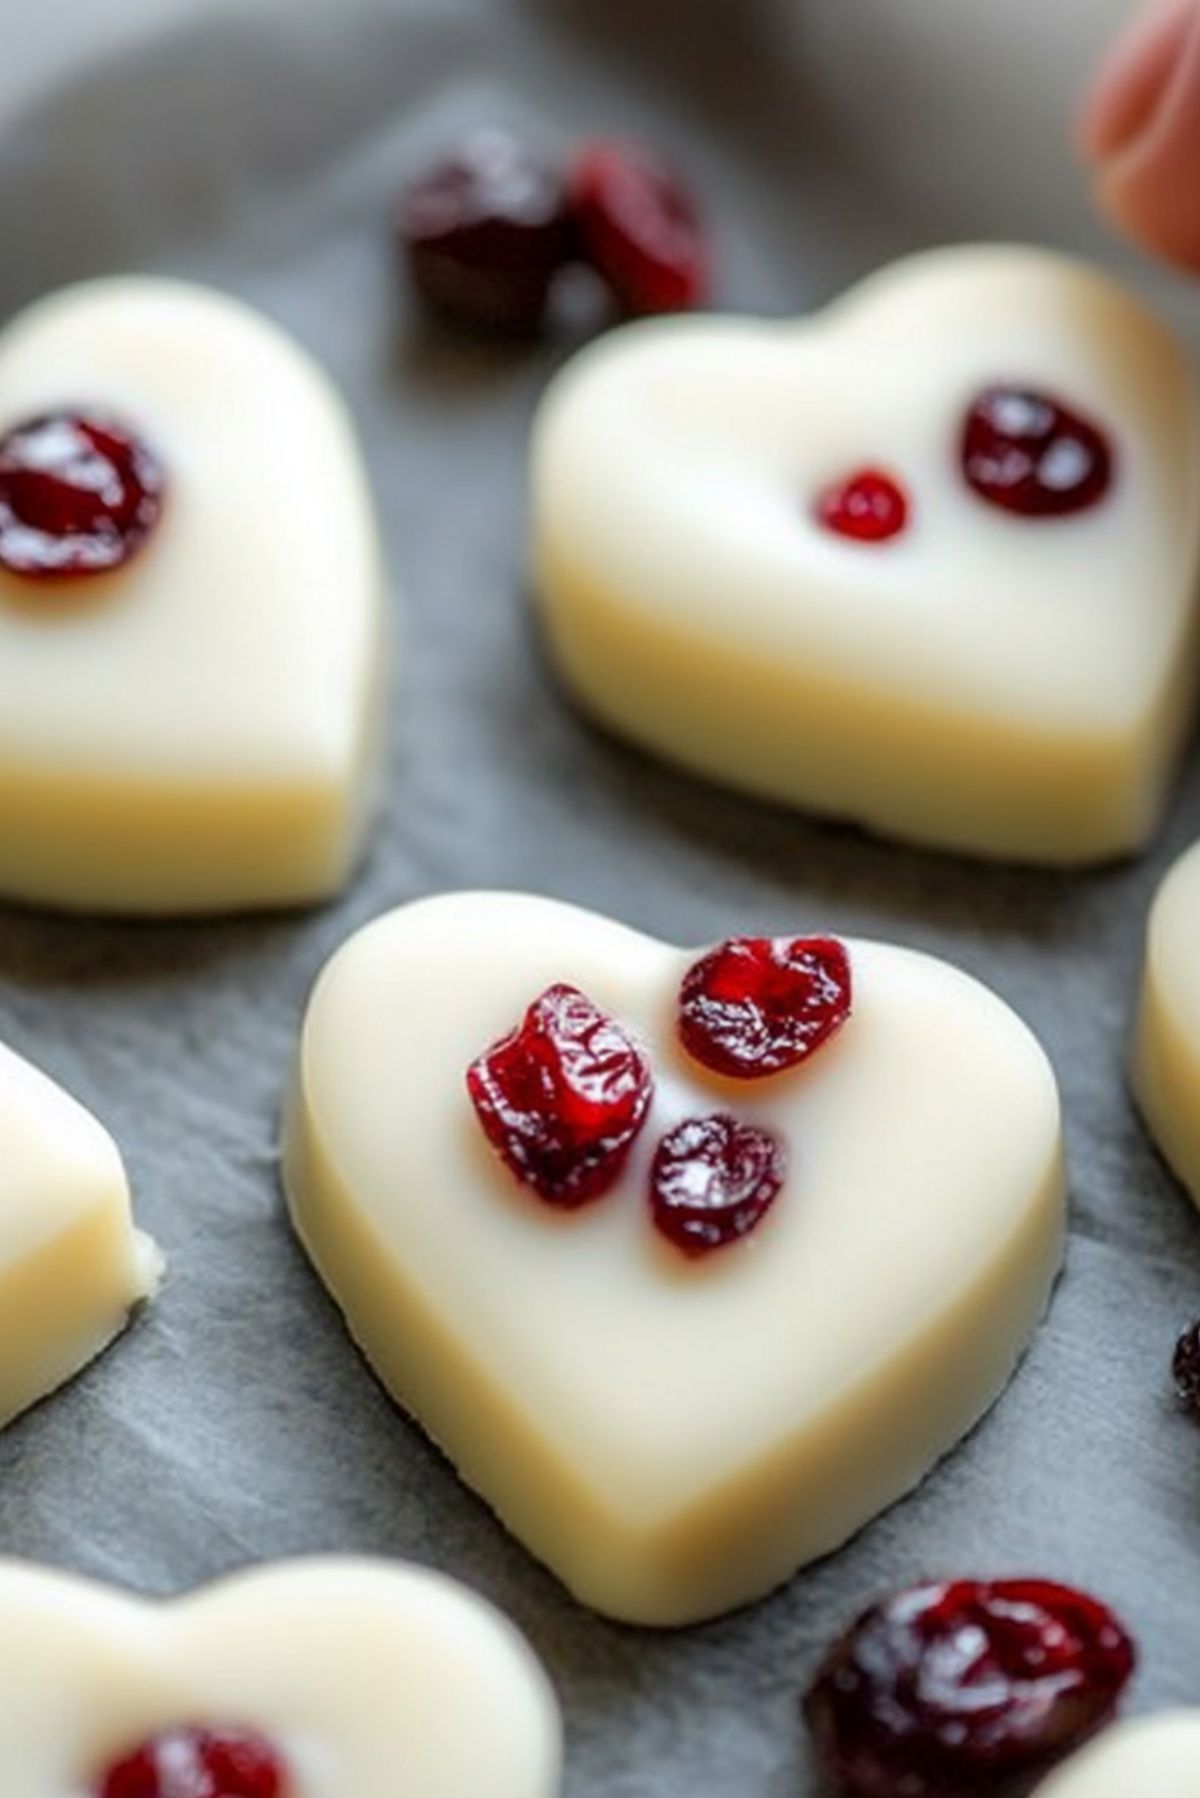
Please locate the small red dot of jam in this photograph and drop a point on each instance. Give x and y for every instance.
(79, 495)
(755, 1005)
(713, 1179)
(562, 1098)
(639, 227)
(1027, 452)
(199, 1763)
(485, 233)
(869, 507)
(952, 1689)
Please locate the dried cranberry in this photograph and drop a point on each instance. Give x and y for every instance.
(199, 1763)
(869, 506)
(1185, 1367)
(79, 495)
(946, 1690)
(485, 233)
(1026, 452)
(713, 1179)
(562, 1098)
(639, 227)
(757, 1004)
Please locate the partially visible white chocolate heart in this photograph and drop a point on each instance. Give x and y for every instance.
(1166, 1055)
(372, 1679)
(1004, 685)
(72, 1266)
(1154, 1757)
(675, 1437)
(199, 729)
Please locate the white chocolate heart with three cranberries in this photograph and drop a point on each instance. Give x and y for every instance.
(674, 1437)
(1158, 1757)
(1005, 685)
(198, 729)
(371, 1680)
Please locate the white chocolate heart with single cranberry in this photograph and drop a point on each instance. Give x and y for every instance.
(1166, 1053)
(1157, 1756)
(675, 1436)
(1000, 684)
(198, 729)
(72, 1266)
(368, 1678)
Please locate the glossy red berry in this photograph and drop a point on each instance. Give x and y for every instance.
(639, 227)
(1026, 452)
(869, 507)
(562, 1098)
(79, 495)
(199, 1763)
(486, 232)
(945, 1691)
(755, 1004)
(712, 1180)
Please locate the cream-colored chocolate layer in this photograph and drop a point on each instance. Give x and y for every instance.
(1166, 1053)
(672, 1437)
(72, 1266)
(197, 730)
(984, 682)
(1154, 1757)
(371, 1678)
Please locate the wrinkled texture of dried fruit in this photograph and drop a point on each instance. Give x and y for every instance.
(562, 1098)
(712, 1180)
(756, 1005)
(946, 1690)
(199, 1763)
(868, 506)
(639, 227)
(1026, 452)
(79, 495)
(486, 232)
(1185, 1369)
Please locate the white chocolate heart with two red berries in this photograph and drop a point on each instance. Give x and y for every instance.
(691, 1264)
(1158, 1756)
(312, 1679)
(191, 608)
(926, 561)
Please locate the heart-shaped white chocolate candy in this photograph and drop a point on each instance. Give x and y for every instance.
(675, 1437)
(1154, 1757)
(198, 729)
(372, 1679)
(999, 684)
(72, 1266)
(1166, 1054)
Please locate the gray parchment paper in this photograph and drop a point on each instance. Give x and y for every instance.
(259, 148)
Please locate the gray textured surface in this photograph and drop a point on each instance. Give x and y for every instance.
(236, 1422)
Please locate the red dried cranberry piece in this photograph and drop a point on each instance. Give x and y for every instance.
(1185, 1367)
(713, 1179)
(79, 495)
(485, 233)
(1026, 452)
(869, 506)
(562, 1098)
(199, 1763)
(946, 1690)
(639, 227)
(757, 1004)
